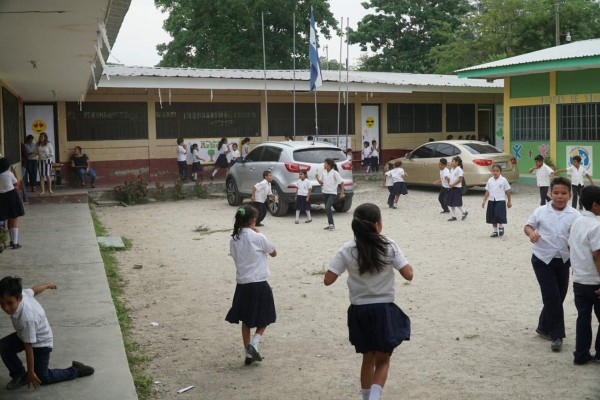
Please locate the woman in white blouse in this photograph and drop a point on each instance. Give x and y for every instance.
(45, 154)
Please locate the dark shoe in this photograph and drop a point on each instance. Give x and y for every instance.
(296, 222)
(585, 360)
(452, 219)
(254, 353)
(82, 369)
(501, 231)
(92, 186)
(494, 234)
(542, 334)
(15, 246)
(556, 345)
(248, 360)
(308, 221)
(17, 383)
(212, 178)
(464, 215)
(445, 212)
(260, 225)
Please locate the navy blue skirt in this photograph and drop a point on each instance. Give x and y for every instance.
(496, 212)
(196, 166)
(222, 161)
(377, 327)
(11, 205)
(302, 204)
(253, 304)
(454, 197)
(400, 188)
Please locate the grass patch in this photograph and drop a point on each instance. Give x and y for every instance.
(136, 358)
(205, 230)
(321, 271)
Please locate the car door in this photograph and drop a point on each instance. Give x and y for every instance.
(418, 163)
(442, 150)
(246, 170)
(266, 160)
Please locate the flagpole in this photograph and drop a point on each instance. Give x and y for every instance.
(294, 74)
(316, 79)
(340, 76)
(265, 73)
(347, 77)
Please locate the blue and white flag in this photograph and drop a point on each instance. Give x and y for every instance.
(313, 54)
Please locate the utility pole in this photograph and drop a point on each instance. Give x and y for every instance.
(557, 20)
(327, 57)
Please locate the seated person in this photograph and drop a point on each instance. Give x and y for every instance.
(81, 163)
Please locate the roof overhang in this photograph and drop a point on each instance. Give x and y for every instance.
(532, 68)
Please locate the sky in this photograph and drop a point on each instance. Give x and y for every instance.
(142, 31)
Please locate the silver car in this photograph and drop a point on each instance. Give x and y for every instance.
(285, 160)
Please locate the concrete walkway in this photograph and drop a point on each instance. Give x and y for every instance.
(59, 245)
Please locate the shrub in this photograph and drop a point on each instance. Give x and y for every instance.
(201, 191)
(133, 191)
(179, 192)
(161, 193)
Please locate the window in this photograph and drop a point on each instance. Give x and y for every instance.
(107, 121)
(481, 148)
(316, 156)
(425, 151)
(281, 119)
(207, 120)
(530, 123)
(10, 113)
(254, 154)
(579, 122)
(270, 154)
(414, 118)
(460, 117)
(446, 150)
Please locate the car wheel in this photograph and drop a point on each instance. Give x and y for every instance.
(233, 195)
(343, 205)
(464, 189)
(277, 208)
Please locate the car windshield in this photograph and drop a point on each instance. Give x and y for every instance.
(480, 148)
(318, 155)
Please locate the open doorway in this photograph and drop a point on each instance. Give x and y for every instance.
(485, 123)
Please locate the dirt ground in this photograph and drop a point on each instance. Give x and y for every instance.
(474, 305)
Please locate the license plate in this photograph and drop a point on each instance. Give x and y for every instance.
(502, 165)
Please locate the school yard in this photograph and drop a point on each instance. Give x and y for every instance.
(474, 305)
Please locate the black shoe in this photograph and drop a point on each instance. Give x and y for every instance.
(556, 345)
(445, 212)
(15, 246)
(542, 334)
(17, 383)
(82, 369)
(248, 360)
(494, 234)
(585, 360)
(501, 231)
(452, 219)
(464, 215)
(259, 225)
(254, 353)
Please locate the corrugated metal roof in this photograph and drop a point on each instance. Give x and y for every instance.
(581, 49)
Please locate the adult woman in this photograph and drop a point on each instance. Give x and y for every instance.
(31, 164)
(45, 154)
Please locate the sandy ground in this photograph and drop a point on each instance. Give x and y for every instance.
(474, 304)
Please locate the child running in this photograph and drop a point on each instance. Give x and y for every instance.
(253, 302)
(303, 191)
(330, 180)
(389, 183)
(445, 186)
(260, 193)
(196, 166)
(399, 186)
(376, 325)
(577, 172)
(11, 206)
(375, 155)
(454, 197)
(497, 196)
(543, 174)
(366, 156)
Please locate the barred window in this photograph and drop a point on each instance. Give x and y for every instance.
(460, 117)
(530, 123)
(107, 121)
(414, 118)
(579, 122)
(207, 120)
(281, 119)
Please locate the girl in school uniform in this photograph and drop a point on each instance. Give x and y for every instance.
(253, 302)
(497, 196)
(11, 206)
(366, 156)
(196, 166)
(454, 196)
(374, 155)
(330, 179)
(375, 323)
(221, 162)
(303, 191)
(45, 154)
(389, 183)
(399, 185)
(245, 147)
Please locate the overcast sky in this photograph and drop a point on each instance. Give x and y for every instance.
(142, 31)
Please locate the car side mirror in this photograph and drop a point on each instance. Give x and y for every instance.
(240, 160)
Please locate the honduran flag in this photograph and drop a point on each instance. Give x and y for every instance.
(313, 54)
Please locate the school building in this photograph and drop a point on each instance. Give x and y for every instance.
(551, 103)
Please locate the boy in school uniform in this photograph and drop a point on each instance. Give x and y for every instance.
(584, 244)
(34, 335)
(444, 172)
(260, 192)
(577, 172)
(543, 174)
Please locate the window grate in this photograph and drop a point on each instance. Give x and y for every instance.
(579, 122)
(530, 123)
(414, 118)
(107, 121)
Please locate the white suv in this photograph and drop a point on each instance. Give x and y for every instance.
(285, 160)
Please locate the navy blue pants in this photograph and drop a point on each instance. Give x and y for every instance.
(329, 200)
(586, 301)
(544, 195)
(442, 198)
(391, 197)
(576, 193)
(11, 345)
(553, 279)
(262, 211)
(182, 169)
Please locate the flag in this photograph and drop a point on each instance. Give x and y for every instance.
(313, 54)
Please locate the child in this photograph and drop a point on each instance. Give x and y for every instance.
(330, 179)
(260, 192)
(245, 147)
(366, 156)
(584, 244)
(445, 186)
(543, 174)
(34, 335)
(497, 191)
(221, 162)
(548, 229)
(577, 172)
(454, 197)
(182, 158)
(349, 154)
(253, 302)
(196, 166)
(234, 154)
(11, 207)
(376, 325)
(399, 186)
(303, 191)
(389, 183)
(375, 155)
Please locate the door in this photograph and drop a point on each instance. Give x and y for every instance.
(369, 116)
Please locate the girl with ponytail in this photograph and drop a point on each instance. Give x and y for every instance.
(376, 325)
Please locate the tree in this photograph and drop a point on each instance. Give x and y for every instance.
(401, 33)
(228, 33)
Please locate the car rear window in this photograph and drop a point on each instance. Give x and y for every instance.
(480, 148)
(316, 155)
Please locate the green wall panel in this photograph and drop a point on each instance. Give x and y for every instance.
(529, 85)
(578, 82)
(525, 152)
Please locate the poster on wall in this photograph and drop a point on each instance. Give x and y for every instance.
(585, 152)
(207, 148)
(498, 139)
(38, 119)
(369, 117)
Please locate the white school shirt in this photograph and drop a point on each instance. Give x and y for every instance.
(30, 322)
(455, 173)
(235, 154)
(577, 174)
(397, 174)
(330, 180)
(497, 188)
(388, 178)
(250, 253)
(223, 149)
(554, 227)
(583, 240)
(181, 153)
(368, 288)
(45, 152)
(443, 174)
(7, 181)
(303, 187)
(263, 189)
(366, 152)
(374, 151)
(542, 175)
(245, 149)
(196, 157)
